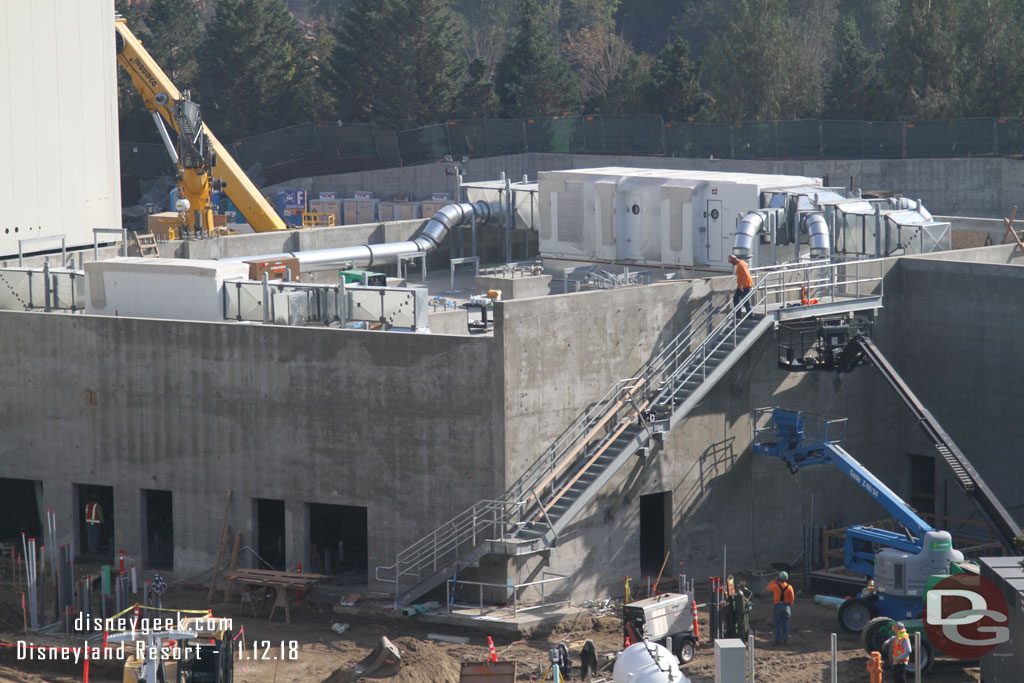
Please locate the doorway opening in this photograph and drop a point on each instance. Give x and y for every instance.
(270, 533)
(19, 510)
(655, 531)
(338, 541)
(158, 529)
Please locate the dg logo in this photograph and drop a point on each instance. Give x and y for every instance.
(965, 616)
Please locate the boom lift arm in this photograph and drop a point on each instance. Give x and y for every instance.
(203, 163)
(786, 439)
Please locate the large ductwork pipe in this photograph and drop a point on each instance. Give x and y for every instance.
(817, 228)
(746, 231)
(426, 240)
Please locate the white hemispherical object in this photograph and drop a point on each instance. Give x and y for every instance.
(647, 662)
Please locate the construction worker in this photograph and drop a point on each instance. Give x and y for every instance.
(783, 595)
(93, 523)
(898, 647)
(744, 283)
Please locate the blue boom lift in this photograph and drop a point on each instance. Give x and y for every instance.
(905, 562)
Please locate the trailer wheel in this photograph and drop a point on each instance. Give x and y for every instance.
(854, 614)
(686, 651)
(875, 634)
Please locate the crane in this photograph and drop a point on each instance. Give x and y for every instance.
(203, 163)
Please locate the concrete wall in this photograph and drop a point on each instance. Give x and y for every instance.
(984, 187)
(419, 427)
(562, 352)
(408, 426)
(958, 333)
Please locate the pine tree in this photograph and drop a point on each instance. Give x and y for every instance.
(924, 60)
(993, 75)
(629, 93)
(675, 84)
(854, 90)
(178, 34)
(397, 62)
(256, 70)
(755, 70)
(531, 78)
(134, 122)
(324, 106)
(478, 99)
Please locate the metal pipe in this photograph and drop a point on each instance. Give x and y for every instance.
(427, 239)
(743, 241)
(162, 129)
(817, 228)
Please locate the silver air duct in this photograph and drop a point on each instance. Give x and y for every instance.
(746, 231)
(426, 239)
(817, 228)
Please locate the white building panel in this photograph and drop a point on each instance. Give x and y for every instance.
(661, 217)
(170, 289)
(59, 162)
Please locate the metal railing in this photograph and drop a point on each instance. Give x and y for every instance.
(253, 301)
(514, 588)
(792, 283)
(817, 429)
(46, 289)
(713, 325)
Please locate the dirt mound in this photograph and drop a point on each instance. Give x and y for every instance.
(422, 662)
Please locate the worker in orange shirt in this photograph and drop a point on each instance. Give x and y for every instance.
(783, 595)
(744, 283)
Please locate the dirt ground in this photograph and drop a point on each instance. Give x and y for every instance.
(321, 655)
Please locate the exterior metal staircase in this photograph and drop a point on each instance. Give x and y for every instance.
(612, 431)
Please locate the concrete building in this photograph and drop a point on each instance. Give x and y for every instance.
(342, 447)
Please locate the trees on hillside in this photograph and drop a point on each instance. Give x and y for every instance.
(177, 36)
(754, 71)
(405, 63)
(927, 58)
(675, 84)
(531, 78)
(397, 62)
(854, 89)
(255, 73)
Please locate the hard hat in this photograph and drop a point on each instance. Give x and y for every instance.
(783, 576)
(898, 626)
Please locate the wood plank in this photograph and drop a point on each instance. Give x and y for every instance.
(233, 565)
(567, 460)
(593, 459)
(220, 549)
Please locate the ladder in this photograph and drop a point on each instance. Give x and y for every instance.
(146, 244)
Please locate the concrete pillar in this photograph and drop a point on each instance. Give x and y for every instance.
(129, 520)
(296, 533)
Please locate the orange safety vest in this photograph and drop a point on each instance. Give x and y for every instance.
(899, 652)
(93, 514)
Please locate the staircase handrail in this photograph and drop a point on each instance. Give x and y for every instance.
(516, 505)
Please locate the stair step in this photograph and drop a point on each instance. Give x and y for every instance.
(965, 479)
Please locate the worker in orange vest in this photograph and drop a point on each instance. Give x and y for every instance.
(744, 283)
(899, 651)
(93, 523)
(783, 595)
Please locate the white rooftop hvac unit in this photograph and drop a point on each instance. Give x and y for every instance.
(650, 217)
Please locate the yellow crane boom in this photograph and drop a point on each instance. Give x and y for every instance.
(195, 175)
